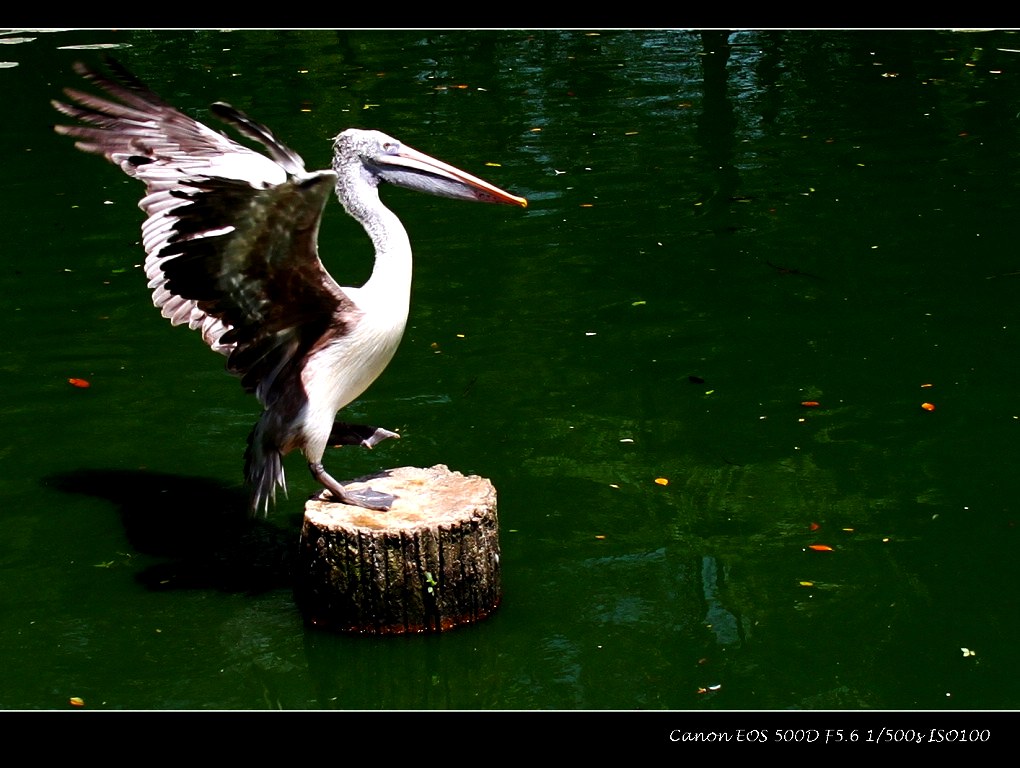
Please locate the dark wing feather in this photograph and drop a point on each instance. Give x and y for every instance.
(230, 235)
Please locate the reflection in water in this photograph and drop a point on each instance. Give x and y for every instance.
(716, 128)
(723, 624)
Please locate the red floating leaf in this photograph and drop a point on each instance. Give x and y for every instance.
(815, 526)
(820, 547)
(928, 406)
(810, 403)
(80, 383)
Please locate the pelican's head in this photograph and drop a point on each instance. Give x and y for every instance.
(383, 158)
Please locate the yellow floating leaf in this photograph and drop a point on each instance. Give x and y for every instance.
(807, 583)
(76, 701)
(661, 481)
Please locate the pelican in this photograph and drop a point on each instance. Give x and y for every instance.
(230, 238)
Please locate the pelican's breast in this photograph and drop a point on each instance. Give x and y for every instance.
(346, 364)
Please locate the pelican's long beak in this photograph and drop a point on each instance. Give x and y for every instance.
(407, 167)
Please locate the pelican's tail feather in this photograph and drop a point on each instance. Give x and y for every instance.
(263, 470)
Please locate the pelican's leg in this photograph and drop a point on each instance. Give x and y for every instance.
(357, 434)
(363, 497)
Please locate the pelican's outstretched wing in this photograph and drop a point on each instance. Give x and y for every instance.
(230, 235)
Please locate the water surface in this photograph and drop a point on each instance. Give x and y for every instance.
(721, 228)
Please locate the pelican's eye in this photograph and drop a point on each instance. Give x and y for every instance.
(391, 147)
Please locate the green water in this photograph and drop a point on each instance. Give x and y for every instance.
(720, 228)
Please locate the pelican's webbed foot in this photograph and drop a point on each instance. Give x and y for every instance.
(357, 434)
(356, 497)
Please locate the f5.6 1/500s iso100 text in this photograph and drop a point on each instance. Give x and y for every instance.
(835, 735)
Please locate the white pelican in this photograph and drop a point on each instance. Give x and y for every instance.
(230, 243)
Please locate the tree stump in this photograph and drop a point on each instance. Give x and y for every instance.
(428, 564)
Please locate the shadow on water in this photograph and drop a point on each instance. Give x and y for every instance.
(199, 525)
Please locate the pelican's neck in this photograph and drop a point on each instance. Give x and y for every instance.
(391, 274)
(390, 283)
